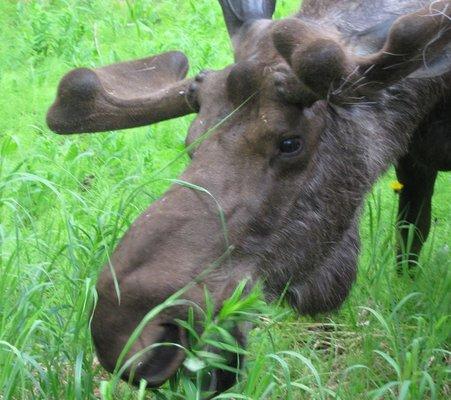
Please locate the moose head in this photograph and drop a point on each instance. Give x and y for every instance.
(286, 143)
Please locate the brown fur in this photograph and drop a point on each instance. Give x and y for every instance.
(338, 80)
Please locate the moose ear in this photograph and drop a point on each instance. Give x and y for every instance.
(238, 12)
(121, 96)
(416, 43)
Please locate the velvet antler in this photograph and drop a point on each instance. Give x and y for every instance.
(123, 95)
(325, 65)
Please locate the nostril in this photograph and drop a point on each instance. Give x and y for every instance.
(164, 359)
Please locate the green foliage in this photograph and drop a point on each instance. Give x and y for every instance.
(66, 201)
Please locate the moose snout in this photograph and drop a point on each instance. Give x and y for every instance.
(176, 250)
(153, 355)
(154, 351)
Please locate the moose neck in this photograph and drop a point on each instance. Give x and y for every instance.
(316, 246)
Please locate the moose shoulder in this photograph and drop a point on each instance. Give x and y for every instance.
(289, 139)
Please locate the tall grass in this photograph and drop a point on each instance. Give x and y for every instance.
(66, 201)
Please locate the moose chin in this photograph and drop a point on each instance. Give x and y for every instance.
(286, 143)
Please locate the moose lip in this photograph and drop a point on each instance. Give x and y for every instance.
(164, 359)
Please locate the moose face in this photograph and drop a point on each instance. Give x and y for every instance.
(181, 234)
(279, 152)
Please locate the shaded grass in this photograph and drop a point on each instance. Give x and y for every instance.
(65, 202)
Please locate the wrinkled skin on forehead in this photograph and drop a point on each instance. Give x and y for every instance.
(286, 143)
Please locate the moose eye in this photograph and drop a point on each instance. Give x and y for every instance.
(290, 146)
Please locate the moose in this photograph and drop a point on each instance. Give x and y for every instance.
(287, 142)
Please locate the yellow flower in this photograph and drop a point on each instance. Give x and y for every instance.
(396, 186)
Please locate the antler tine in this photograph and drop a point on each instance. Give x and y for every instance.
(317, 59)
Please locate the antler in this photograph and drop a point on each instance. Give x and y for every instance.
(142, 92)
(324, 64)
(121, 96)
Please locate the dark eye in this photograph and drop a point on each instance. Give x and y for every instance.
(290, 146)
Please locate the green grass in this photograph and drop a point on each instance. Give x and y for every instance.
(65, 202)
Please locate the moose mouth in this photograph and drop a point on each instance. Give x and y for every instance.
(172, 357)
(156, 366)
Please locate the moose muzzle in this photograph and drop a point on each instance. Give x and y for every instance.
(175, 251)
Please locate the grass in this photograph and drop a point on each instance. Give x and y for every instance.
(65, 202)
